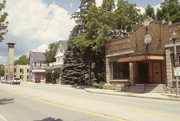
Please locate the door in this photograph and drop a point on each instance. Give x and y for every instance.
(143, 72)
(157, 75)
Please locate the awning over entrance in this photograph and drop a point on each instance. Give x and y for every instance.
(136, 58)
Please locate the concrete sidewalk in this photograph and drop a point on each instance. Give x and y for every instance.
(161, 96)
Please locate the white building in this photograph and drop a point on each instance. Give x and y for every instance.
(59, 56)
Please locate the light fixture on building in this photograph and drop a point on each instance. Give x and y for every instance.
(147, 38)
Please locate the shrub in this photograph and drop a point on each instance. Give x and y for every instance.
(48, 77)
(98, 85)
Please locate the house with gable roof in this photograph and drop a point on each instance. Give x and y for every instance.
(38, 66)
(59, 56)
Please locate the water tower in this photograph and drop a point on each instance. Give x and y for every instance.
(10, 60)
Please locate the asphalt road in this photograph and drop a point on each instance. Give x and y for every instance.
(41, 102)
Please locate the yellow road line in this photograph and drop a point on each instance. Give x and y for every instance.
(65, 106)
(124, 107)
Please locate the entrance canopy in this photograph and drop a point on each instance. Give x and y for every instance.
(135, 58)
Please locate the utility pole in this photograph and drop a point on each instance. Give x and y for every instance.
(176, 60)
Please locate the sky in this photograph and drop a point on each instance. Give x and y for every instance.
(33, 24)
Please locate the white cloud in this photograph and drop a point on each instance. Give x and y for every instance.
(156, 7)
(33, 23)
(142, 10)
(41, 48)
(99, 2)
(35, 20)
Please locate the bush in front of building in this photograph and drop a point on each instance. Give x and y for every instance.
(48, 77)
(98, 85)
(54, 77)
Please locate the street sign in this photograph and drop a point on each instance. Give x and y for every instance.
(176, 71)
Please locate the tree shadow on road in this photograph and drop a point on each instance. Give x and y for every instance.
(5, 101)
(49, 119)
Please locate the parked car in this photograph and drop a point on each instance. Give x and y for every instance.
(16, 81)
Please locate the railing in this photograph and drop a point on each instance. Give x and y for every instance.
(55, 64)
(39, 67)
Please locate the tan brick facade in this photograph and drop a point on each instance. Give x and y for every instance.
(130, 49)
(20, 71)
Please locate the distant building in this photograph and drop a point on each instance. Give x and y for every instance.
(20, 71)
(10, 66)
(37, 66)
(59, 56)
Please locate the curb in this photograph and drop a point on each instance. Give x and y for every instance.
(132, 96)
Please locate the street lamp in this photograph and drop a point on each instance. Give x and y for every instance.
(176, 60)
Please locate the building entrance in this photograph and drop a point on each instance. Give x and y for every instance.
(151, 72)
(143, 73)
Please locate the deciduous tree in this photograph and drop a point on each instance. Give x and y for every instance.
(169, 11)
(150, 12)
(51, 51)
(23, 60)
(3, 21)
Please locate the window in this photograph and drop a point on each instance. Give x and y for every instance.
(61, 50)
(38, 64)
(120, 70)
(15, 70)
(21, 76)
(27, 70)
(59, 59)
(34, 63)
(21, 70)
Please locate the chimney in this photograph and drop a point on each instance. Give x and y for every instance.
(11, 60)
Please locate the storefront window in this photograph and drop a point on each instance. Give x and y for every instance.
(120, 70)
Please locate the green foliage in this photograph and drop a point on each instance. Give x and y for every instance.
(108, 5)
(51, 51)
(55, 76)
(150, 12)
(98, 85)
(127, 17)
(23, 60)
(3, 22)
(1, 70)
(51, 77)
(100, 25)
(73, 69)
(48, 77)
(169, 11)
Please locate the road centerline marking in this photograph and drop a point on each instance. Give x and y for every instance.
(3, 118)
(122, 107)
(64, 106)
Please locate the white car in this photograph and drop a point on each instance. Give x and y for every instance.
(16, 81)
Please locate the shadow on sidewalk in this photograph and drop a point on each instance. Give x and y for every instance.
(49, 119)
(5, 101)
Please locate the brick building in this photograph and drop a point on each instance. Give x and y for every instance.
(146, 56)
(20, 71)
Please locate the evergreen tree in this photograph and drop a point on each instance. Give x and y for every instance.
(3, 22)
(74, 70)
(150, 12)
(169, 11)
